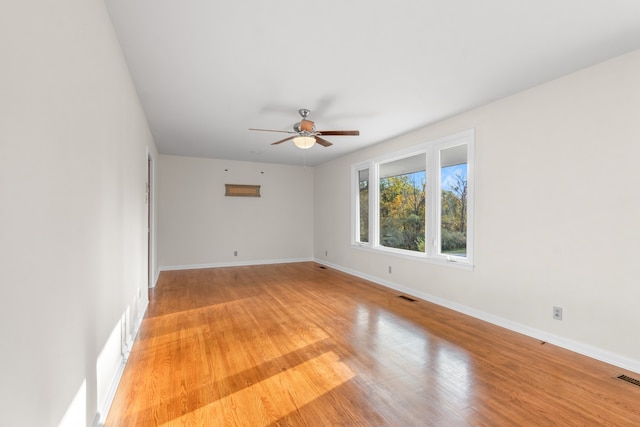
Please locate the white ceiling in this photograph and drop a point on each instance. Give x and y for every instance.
(207, 70)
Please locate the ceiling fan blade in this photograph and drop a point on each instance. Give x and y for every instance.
(271, 130)
(339, 132)
(282, 140)
(322, 141)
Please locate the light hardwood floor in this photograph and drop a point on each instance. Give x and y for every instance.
(302, 345)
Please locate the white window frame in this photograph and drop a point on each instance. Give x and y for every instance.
(355, 173)
(433, 209)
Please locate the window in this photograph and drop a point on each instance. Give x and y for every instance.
(401, 203)
(363, 203)
(454, 185)
(421, 202)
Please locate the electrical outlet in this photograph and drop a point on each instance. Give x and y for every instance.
(389, 269)
(326, 252)
(557, 313)
(235, 253)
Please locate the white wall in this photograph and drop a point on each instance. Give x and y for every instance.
(73, 150)
(199, 226)
(557, 213)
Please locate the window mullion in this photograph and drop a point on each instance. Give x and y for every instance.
(430, 201)
(374, 204)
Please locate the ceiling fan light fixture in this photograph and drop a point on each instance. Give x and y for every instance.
(304, 142)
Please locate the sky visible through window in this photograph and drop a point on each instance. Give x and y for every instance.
(447, 175)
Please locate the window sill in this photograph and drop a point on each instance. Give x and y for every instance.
(453, 262)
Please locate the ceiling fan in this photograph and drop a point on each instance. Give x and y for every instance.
(305, 134)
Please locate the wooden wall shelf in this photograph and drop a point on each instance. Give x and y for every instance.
(238, 190)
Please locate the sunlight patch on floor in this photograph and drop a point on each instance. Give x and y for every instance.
(263, 403)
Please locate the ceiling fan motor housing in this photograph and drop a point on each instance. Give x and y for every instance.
(304, 126)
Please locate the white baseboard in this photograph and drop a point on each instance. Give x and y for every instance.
(232, 264)
(103, 411)
(575, 346)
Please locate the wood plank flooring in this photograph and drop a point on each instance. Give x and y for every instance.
(302, 345)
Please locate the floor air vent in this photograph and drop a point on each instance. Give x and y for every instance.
(406, 298)
(629, 380)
